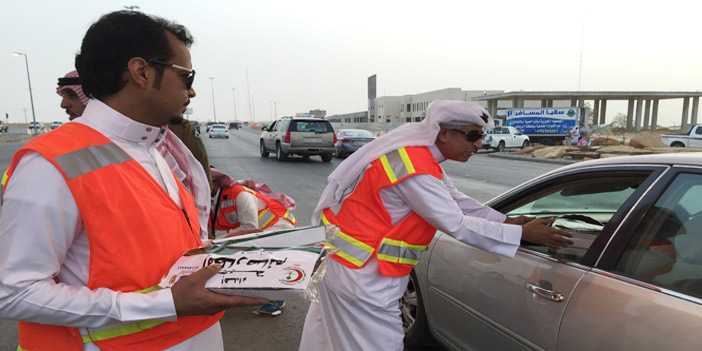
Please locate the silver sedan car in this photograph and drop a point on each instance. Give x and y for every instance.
(218, 131)
(632, 281)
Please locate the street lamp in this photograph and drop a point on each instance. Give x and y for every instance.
(214, 111)
(31, 99)
(234, 92)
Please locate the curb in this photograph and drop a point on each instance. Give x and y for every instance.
(10, 139)
(531, 159)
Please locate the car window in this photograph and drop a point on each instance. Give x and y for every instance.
(582, 206)
(311, 126)
(666, 248)
(505, 131)
(358, 134)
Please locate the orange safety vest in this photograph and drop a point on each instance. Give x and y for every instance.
(224, 215)
(135, 230)
(366, 229)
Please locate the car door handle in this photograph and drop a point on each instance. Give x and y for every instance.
(549, 294)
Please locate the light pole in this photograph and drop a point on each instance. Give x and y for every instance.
(31, 99)
(234, 93)
(214, 110)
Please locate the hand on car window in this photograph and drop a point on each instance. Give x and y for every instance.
(540, 232)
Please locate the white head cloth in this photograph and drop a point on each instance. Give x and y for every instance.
(411, 134)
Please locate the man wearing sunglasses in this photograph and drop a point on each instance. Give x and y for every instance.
(93, 216)
(388, 199)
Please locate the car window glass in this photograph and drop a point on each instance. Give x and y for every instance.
(666, 248)
(358, 134)
(581, 206)
(505, 131)
(311, 126)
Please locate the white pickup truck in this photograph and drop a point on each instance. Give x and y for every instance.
(500, 138)
(693, 138)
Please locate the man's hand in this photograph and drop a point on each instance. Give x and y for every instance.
(192, 299)
(539, 232)
(237, 232)
(520, 220)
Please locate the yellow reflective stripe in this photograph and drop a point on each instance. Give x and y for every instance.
(356, 262)
(249, 190)
(388, 169)
(401, 243)
(20, 349)
(394, 259)
(290, 217)
(121, 330)
(148, 290)
(406, 160)
(388, 258)
(355, 242)
(4, 178)
(124, 329)
(267, 221)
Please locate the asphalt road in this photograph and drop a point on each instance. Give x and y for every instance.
(482, 177)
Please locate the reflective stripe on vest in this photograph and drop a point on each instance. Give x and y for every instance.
(397, 164)
(2, 185)
(398, 251)
(289, 216)
(82, 161)
(264, 218)
(227, 203)
(124, 329)
(352, 250)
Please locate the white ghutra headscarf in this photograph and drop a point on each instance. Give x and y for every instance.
(411, 134)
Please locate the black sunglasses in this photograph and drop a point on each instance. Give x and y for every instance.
(471, 136)
(188, 80)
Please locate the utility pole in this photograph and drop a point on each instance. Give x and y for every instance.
(248, 91)
(29, 81)
(253, 109)
(234, 93)
(214, 110)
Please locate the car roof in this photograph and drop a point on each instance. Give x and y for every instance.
(667, 159)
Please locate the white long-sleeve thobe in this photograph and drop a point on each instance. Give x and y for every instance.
(44, 238)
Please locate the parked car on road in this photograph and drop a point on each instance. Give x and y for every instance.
(56, 124)
(3, 127)
(693, 138)
(298, 136)
(35, 125)
(350, 140)
(235, 125)
(218, 131)
(500, 138)
(633, 279)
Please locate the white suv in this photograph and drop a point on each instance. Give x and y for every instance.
(298, 136)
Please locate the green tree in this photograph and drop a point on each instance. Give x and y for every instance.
(619, 121)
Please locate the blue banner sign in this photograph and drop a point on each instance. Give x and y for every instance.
(543, 121)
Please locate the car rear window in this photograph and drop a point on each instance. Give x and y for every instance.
(219, 127)
(311, 126)
(358, 134)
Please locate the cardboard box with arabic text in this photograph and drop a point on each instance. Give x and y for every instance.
(270, 269)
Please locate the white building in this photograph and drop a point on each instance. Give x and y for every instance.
(413, 108)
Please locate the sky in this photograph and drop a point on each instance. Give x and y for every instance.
(276, 58)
